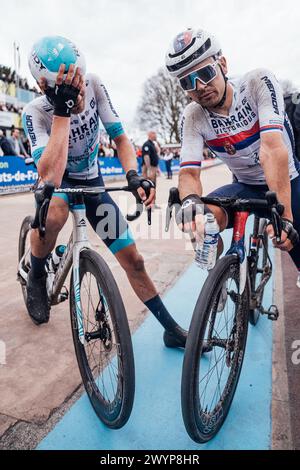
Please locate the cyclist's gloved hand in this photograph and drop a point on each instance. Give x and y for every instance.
(63, 97)
(143, 187)
(289, 229)
(190, 207)
(289, 236)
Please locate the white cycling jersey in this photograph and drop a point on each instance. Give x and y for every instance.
(84, 128)
(257, 107)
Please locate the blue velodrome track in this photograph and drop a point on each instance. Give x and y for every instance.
(156, 421)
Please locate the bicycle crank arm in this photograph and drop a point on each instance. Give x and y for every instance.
(272, 313)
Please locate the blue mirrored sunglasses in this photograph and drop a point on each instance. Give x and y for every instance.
(205, 74)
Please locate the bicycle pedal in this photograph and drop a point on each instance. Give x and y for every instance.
(273, 313)
(63, 296)
(21, 280)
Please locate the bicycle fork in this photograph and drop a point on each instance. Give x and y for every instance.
(81, 243)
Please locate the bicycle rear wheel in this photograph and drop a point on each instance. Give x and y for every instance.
(214, 351)
(105, 360)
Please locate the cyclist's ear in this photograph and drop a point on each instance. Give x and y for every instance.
(42, 83)
(223, 64)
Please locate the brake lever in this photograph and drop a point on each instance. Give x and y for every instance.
(43, 197)
(277, 210)
(173, 199)
(139, 208)
(277, 224)
(139, 204)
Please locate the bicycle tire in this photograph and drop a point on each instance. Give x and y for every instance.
(115, 413)
(24, 232)
(201, 426)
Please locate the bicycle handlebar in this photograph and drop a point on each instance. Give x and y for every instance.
(44, 194)
(270, 204)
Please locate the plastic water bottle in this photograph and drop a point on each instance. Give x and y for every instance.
(206, 252)
(56, 256)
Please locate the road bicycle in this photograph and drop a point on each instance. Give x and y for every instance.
(99, 323)
(231, 296)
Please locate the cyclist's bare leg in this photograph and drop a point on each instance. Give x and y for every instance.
(133, 264)
(57, 216)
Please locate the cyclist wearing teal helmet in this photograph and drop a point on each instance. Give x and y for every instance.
(63, 127)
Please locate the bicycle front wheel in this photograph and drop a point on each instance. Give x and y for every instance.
(214, 351)
(24, 252)
(105, 359)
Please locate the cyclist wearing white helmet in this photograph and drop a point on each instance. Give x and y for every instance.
(244, 123)
(63, 128)
(187, 51)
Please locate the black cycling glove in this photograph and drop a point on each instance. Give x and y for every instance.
(289, 229)
(190, 207)
(63, 97)
(135, 181)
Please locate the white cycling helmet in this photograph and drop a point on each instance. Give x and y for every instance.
(189, 48)
(49, 53)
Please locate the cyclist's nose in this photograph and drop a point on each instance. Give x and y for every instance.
(200, 86)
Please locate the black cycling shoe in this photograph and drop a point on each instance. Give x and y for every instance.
(176, 338)
(37, 299)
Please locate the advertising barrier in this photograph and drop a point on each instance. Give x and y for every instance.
(16, 176)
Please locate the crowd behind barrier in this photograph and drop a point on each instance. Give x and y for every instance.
(16, 175)
(11, 83)
(15, 92)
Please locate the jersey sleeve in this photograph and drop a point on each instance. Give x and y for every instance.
(270, 102)
(35, 130)
(192, 142)
(108, 115)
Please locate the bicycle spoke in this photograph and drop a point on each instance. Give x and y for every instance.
(223, 329)
(105, 372)
(209, 373)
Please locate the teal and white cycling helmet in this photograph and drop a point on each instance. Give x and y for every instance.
(49, 53)
(189, 48)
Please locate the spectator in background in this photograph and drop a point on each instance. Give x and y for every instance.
(292, 108)
(26, 144)
(17, 144)
(101, 152)
(5, 145)
(176, 154)
(138, 152)
(114, 148)
(150, 159)
(168, 157)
